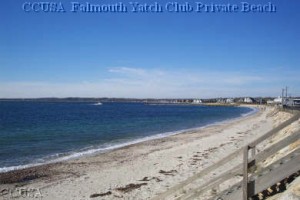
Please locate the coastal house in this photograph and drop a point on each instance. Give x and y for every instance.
(229, 100)
(270, 102)
(239, 100)
(275, 101)
(260, 100)
(249, 100)
(293, 103)
(278, 100)
(197, 101)
(221, 100)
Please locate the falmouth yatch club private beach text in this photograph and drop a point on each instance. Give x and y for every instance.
(149, 7)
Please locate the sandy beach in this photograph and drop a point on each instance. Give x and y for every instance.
(143, 170)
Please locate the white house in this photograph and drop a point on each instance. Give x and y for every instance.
(278, 100)
(197, 101)
(248, 100)
(229, 100)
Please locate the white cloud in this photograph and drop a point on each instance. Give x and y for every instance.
(148, 83)
(128, 71)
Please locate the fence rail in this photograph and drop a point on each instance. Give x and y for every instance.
(251, 188)
(254, 180)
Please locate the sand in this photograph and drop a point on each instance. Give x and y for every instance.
(140, 171)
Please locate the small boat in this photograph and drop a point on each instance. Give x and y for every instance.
(98, 104)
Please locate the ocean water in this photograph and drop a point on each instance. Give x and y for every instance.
(33, 133)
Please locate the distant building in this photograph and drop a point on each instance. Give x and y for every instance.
(239, 100)
(229, 100)
(249, 100)
(275, 101)
(278, 100)
(293, 103)
(197, 101)
(221, 100)
(260, 100)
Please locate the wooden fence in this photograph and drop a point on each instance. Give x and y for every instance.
(255, 179)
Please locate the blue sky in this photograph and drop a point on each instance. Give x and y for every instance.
(160, 55)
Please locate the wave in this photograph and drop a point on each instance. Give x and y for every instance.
(59, 157)
(253, 111)
(97, 104)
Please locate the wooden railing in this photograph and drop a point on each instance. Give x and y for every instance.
(251, 187)
(254, 180)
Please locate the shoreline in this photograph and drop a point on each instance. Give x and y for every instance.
(112, 147)
(146, 169)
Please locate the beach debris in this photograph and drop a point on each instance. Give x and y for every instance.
(223, 144)
(130, 187)
(145, 179)
(24, 175)
(169, 173)
(118, 196)
(101, 194)
(212, 149)
(157, 179)
(149, 179)
(179, 165)
(197, 159)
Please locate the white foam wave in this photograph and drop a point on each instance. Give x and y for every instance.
(253, 111)
(97, 104)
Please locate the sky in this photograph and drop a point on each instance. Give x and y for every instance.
(149, 55)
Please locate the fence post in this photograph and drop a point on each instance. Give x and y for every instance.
(245, 173)
(253, 151)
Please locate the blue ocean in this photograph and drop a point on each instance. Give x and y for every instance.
(37, 132)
